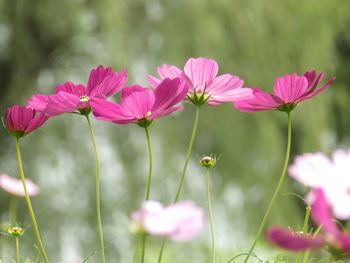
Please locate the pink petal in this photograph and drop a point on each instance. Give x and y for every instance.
(104, 83)
(235, 95)
(137, 101)
(167, 94)
(290, 88)
(169, 71)
(153, 81)
(224, 83)
(316, 92)
(261, 101)
(322, 214)
(38, 102)
(201, 72)
(36, 122)
(71, 88)
(62, 102)
(106, 110)
(14, 186)
(293, 241)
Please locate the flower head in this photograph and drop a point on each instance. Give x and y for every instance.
(14, 186)
(208, 161)
(289, 90)
(180, 222)
(316, 170)
(200, 74)
(142, 105)
(69, 97)
(331, 235)
(16, 231)
(21, 120)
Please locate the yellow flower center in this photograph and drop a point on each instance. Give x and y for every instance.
(149, 113)
(84, 98)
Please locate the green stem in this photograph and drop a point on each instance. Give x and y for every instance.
(211, 217)
(277, 190)
(143, 248)
(149, 183)
(188, 156)
(305, 230)
(18, 257)
(29, 204)
(98, 202)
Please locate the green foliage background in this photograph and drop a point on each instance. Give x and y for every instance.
(43, 43)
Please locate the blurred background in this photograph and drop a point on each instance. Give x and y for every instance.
(43, 43)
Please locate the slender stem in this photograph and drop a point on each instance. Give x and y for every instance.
(305, 230)
(143, 248)
(148, 193)
(18, 257)
(211, 217)
(277, 190)
(98, 202)
(29, 204)
(149, 182)
(188, 156)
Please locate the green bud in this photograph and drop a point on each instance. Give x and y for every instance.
(208, 161)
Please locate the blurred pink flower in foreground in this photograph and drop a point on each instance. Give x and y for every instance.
(141, 105)
(332, 176)
(205, 86)
(289, 90)
(331, 235)
(14, 186)
(103, 82)
(21, 120)
(180, 222)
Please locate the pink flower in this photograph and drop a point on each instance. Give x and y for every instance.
(205, 86)
(289, 90)
(103, 82)
(331, 236)
(180, 222)
(332, 176)
(15, 187)
(21, 120)
(142, 105)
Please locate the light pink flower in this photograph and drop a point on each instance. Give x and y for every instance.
(180, 222)
(103, 82)
(205, 86)
(331, 235)
(14, 186)
(289, 90)
(21, 120)
(142, 105)
(331, 175)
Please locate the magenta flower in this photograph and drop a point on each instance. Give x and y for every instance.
(331, 235)
(180, 222)
(21, 120)
(14, 186)
(142, 105)
(103, 82)
(289, 90)
(331, 175)
(205, 86)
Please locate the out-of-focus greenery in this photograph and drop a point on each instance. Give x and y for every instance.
(43, 43)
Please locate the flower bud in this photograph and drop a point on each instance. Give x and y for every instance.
(208, 161)
(16, 231)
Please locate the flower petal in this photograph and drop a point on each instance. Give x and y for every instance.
(201, 72)
(38, 102)
(61, 102)
(290, 88)
(292, 241)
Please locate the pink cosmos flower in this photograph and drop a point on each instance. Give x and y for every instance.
(331, 235)
(14, 186)
(21, 120)
(142, 105)
(180, 222)
(332, 176)
(205, 86)
(289, 90)
(103, 82)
